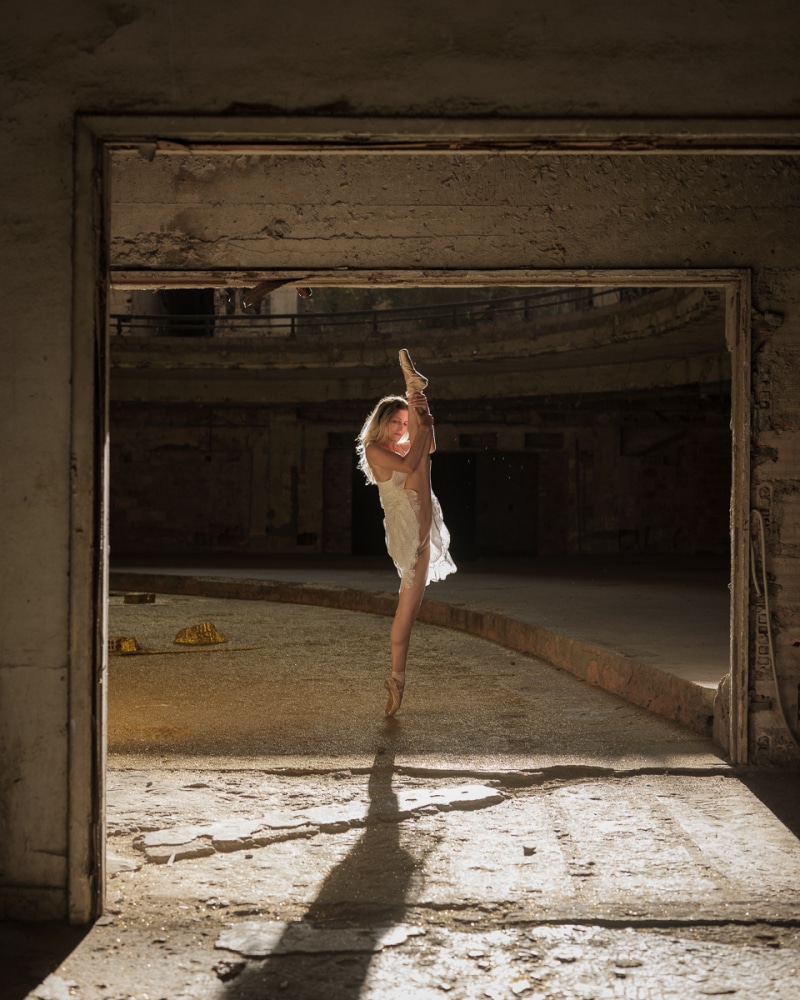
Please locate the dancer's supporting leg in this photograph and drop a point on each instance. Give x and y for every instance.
(410, 598)
(408, 605)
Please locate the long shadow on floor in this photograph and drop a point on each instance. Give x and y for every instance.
(328, 952)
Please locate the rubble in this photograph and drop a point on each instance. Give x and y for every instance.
(198, 841)
(257, 939)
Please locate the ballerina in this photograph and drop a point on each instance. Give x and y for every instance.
(394, 449)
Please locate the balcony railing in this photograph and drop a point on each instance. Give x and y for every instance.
(449, 315)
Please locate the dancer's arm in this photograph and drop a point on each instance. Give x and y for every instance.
(383, 458)
(418, 405)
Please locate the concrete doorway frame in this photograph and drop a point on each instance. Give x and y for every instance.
(96, 139)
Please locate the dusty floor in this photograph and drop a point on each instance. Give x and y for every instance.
(513, 833)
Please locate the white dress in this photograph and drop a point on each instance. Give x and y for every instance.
(402, 528)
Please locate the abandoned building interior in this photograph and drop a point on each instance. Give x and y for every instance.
(584, 230)
(602, 428)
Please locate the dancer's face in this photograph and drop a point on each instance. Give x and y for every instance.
(398, 425)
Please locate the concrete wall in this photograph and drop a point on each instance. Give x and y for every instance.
(643, 475)
(679, 61)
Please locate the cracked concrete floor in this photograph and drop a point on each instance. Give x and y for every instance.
(513, 833)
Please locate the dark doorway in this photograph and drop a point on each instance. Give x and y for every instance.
(191, 311)
(368, 535)
(489, 501)
(507, 488)
(453, 476)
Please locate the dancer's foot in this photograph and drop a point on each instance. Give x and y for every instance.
(394, 685)
(414, 381)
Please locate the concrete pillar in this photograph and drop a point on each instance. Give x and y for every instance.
(283, 476)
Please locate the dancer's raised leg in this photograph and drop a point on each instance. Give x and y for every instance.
(415, 382)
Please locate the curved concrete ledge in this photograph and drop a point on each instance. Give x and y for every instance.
(656, 690)
(679, 333)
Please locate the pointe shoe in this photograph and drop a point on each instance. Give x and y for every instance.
(414, 381)
(395, 689)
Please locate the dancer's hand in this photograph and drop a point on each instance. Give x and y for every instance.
(419, 401)
(420, 404)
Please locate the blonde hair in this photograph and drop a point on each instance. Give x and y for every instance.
(376, 428)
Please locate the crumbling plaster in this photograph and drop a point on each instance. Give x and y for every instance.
(503, 210)
(616, 60)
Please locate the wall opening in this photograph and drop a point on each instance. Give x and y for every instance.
(616, 458)
(575, 424)
(141, 262)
